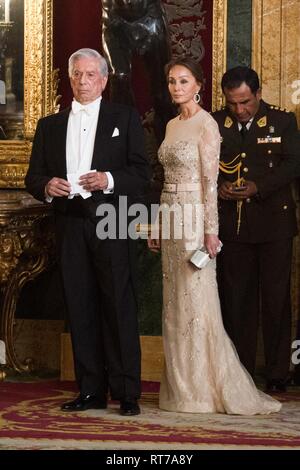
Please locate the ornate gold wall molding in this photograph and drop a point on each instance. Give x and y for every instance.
(219, 51)
(38, 90)
(276, 51)
(26, 249)
(40, 87)
(14, 156)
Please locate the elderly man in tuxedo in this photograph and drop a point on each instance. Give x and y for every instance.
(83, 157)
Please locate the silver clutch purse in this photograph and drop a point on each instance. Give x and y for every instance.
(201, 257)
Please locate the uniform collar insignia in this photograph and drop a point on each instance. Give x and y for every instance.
(262, 122)
(228, 122)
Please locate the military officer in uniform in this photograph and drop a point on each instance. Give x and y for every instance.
(259, 160)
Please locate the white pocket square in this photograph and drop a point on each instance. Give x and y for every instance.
(115, 132)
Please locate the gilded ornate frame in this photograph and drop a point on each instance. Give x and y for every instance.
(40, 85)
(219, 51)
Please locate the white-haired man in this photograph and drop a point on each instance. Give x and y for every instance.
(82, 157)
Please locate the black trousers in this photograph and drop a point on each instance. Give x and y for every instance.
(101, 306)
(254, 279)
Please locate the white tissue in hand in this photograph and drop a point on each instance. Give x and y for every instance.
(73, 179)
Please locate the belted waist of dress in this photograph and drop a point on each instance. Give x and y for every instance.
(181, 187)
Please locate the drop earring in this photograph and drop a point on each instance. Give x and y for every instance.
(197, 98)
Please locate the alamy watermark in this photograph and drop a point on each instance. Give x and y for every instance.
(176, 221)
(296, 95)
(296, 354)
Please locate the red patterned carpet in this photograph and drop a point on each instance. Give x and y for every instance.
(30, 418)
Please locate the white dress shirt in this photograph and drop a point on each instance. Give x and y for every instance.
(248, 125)
(81, 133)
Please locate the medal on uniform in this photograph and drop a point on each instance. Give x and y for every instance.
(269, 140)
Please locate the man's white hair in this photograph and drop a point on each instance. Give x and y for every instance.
(91, 54)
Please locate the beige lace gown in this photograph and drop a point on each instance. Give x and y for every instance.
(202, 371)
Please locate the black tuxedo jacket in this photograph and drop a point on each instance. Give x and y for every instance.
(123, 155)
(269, 156)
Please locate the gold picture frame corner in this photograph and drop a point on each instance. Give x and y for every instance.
(40, 90)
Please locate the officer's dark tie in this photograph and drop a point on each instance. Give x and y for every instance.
(244, 129)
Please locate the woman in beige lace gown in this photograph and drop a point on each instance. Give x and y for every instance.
(202, 370)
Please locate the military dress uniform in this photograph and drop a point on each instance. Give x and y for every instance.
(254, 266)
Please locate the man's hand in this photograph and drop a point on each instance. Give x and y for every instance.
(229, 191)
(57, 187)
(94, 181)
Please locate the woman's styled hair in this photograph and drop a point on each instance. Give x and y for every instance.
(189, 63)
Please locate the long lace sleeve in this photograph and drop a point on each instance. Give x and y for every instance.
(209, 148)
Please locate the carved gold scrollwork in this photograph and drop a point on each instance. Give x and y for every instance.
(9, 252)
(26, 249)
(54, 96)
(38, 63)
(219, 51)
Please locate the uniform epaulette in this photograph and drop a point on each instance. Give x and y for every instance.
(277, 108)
(220, 109)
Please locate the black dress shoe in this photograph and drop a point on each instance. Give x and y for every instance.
(129, 407)
(84, 402)
(275, 386)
